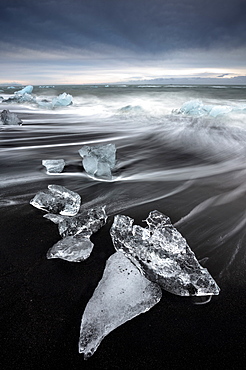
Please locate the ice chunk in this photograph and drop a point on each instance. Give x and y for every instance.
(87, 222)
(26, 90)
(26, 98)
(20, 98)
(8, 118)
(220, 109)
(72, 248)
(122, 294)
(196, 107)
(53, 165)
(163, 255)
(57, 199)
(62, 100)
(98, 161)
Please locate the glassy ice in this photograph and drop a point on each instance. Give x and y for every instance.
(62, 100)
(53, 165)
(87, 222)
(98, 161)
(122, 294)
(26, 90)
(163, 255)
(57, 199)
(72, 248)
(8, 118)
(197, 108)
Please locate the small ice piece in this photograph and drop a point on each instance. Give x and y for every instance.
(163, 255)
(98, 161)
(87, 222)
(122, 294)
(62, 100)
(53, 165)
(26, 90)
(8, 118)
(57, 199)
(72, 248)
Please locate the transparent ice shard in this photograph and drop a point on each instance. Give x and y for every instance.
(8, 118)
(163, 255)
(72, 248)
(122, 294)
(57, 199)
(53, 165)
(98, 161)
(87, 222)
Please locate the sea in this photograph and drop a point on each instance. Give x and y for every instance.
(189, 164)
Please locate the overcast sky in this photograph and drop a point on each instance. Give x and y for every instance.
(92, 41)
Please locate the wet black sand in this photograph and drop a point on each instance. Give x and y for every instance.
(43, 301)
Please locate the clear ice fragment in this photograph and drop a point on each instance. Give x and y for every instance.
(98, 161)
(8, 118)
(86, 223)
(72, 248)
(57, 199)
(122, 294)
(54, 165)
(163, 255)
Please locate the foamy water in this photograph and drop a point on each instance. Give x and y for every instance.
(190, 167)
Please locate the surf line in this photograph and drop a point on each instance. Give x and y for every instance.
(66, 144)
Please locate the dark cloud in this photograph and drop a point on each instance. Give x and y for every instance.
(137, 26)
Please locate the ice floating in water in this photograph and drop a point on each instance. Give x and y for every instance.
(98, 161)
(22, 96)
(25, 95)
(197, 108)
(163, 255)
(8, 118)
(85, 223)
(62, 100)
(26, 90)
(57, 199)
(72, 248)
(122, 294)
(53, 165)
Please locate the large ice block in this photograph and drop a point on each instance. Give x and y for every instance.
(8, 118)
(122, 294)
(57, 199)
(87, 222)
(163, 255)
(72, 248)
(53, 165)
(26, 90)
(98, 161)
